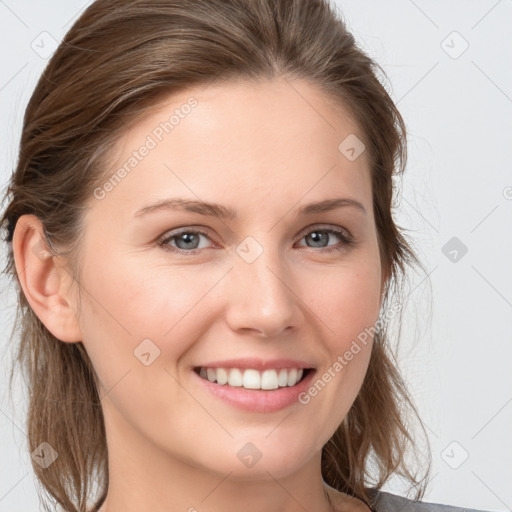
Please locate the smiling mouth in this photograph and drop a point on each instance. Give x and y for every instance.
(250, 378)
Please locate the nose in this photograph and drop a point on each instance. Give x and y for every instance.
(261, 296)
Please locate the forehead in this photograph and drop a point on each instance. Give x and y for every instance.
(253, 140)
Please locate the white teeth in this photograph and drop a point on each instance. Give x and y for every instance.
(253, 379)
(235, 377)
(282, 380)
(222, 376)
(292, 376)
(269, 379)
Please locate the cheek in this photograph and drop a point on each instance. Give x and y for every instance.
(132, 315)
(346, 302)
(128, 303)
(347, 306)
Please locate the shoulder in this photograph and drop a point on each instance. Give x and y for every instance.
(343, 502)
(387, 502)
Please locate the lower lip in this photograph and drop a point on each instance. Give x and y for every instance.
(258, 400)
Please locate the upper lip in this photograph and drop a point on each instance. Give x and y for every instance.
(258, 364)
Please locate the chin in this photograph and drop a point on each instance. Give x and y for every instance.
(263, 456)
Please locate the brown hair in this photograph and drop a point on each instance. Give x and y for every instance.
(119, 58)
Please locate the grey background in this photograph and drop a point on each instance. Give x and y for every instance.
(456, 347)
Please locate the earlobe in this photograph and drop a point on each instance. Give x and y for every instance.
(43, 282)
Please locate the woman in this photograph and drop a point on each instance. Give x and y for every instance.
(201, 234)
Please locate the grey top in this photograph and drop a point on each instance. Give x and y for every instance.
(387, 502)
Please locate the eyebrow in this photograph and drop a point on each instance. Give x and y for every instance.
(223, 212)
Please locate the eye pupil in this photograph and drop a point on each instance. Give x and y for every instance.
(187, 238)
(318, 236)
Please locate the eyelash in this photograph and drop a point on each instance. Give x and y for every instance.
(346, 241)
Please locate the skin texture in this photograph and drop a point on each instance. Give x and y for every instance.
(264, 149)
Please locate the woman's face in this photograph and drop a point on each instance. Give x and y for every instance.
(268, 286)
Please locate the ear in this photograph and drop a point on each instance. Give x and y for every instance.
(46, 285)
